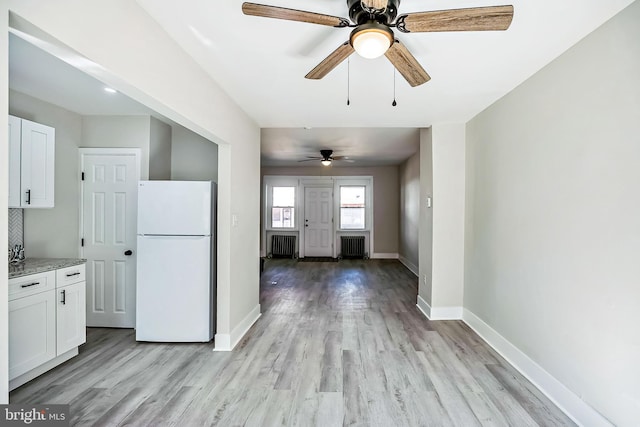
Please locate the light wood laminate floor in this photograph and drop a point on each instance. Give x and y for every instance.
(337, 344)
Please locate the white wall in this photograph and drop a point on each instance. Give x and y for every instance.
(448, 145)
(130, 52)
(193, 158)
(408, 233)
(159, 150)
(119, 131)
(4, 210)
(425, 244)
(54, 232)
(553, 218)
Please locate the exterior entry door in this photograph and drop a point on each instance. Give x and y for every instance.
(109, 222)
(318, 221)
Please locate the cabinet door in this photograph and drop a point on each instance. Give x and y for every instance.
(14, 162)
(38, 163)
(71, 317)
(32, 332)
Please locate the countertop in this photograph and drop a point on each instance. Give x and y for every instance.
(39, 265)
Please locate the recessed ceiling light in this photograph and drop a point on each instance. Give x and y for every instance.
(110, 90)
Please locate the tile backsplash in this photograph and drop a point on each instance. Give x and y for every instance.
(16, 227)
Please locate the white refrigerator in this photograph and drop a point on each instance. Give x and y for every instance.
(176, 276)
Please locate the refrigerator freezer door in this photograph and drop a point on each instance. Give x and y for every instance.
(174, 208)
(174, 289)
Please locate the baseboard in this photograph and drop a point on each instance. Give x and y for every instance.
(227, 342)
(439, 313)
(411, 266)
(446, 313)
(47, 366)
(424, 307)
(381, 255)
(570, 403)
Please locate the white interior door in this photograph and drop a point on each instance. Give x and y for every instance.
(318, 221)
(109, 213)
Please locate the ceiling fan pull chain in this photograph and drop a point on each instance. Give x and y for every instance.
(348, 81)
(394, 103)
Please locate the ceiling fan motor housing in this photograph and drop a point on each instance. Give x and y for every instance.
(361, 16)
(326, 154)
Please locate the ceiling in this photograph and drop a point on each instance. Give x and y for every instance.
(36, 73)
(261, 63)
(362, 146)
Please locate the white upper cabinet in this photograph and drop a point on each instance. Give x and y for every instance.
(31, 164)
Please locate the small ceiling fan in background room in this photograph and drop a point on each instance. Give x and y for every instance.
(373, 36)
(326, 158)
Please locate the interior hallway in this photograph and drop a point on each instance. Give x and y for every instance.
(339, 343)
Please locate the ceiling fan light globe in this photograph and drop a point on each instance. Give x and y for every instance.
(326, 162)
(371, 40)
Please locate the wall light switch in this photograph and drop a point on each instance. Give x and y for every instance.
(234, 220)
(429, 202)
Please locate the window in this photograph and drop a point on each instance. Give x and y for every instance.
(283, 207)
(352, 207)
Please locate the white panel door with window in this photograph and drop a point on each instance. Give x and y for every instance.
(318, 222)
(109, 214)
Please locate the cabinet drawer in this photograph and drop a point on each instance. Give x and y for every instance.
(32, 284)
(70, 275)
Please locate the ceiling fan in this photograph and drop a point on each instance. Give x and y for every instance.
(326, 158)
(372, 36)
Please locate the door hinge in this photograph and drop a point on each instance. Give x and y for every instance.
(82, 242)
(82, 177)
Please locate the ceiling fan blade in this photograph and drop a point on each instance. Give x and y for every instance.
(343, 159)
(407, 64)
(293, 15)
(311, 159)
(492, 18)
(331, 62)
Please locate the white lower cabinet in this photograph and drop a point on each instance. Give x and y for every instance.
(71, 317)
(32, 332)
(47, 321)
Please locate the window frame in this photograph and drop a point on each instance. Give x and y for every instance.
(293, 207)
(364, 207)
(269, 185)
(367, 183)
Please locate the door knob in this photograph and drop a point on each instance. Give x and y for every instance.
(128, 252)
